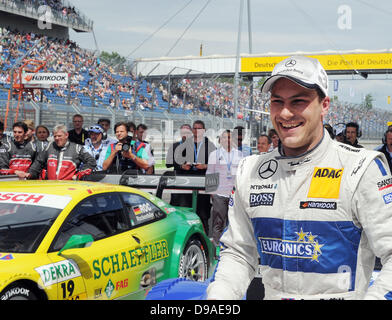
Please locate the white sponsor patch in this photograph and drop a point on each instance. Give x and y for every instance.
(58, 272)
(35, 199)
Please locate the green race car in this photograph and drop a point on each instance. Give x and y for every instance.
(92, 240)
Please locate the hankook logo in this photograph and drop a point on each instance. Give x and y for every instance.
(267, 169)
(290, 63)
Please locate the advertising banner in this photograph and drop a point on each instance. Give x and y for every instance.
(44, 79)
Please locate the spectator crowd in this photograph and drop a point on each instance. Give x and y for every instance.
(94, 82)
(72, 153)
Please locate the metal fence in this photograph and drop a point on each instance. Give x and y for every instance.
(163, 127)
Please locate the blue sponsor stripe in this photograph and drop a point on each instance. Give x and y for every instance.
(308, 246)
(381, 166)
(388, 296)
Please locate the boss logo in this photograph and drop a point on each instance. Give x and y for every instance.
(261, 199)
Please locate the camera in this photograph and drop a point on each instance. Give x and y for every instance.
(126, 146)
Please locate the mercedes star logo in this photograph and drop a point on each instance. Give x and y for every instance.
(290, 63)
(267, 169)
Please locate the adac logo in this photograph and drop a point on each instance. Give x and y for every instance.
(327, 173)
(325, 183)
(306, 246)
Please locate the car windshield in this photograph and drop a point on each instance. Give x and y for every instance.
(22, 226)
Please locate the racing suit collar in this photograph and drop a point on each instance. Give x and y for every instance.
(289, 163)
(20, 144)
(61, 148)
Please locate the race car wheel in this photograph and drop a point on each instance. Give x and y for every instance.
(18, 292)
(193, 262)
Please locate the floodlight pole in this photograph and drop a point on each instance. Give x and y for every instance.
(250, 77)
(237, 62)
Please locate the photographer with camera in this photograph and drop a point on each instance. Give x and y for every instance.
(126, 153)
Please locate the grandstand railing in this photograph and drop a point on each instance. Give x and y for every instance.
(33, 10)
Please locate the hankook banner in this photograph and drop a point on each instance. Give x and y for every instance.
(44, 79)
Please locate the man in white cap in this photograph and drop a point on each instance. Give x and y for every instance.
(314, 211)
(96, 146)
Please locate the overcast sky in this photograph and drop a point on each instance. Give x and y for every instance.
(278, 26)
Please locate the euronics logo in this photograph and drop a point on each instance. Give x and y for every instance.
(305, 247)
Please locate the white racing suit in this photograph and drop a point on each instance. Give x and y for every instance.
(316, 221)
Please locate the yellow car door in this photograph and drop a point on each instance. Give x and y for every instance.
(106, 262)
(154, 236)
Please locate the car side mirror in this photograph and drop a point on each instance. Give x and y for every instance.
(77, 241)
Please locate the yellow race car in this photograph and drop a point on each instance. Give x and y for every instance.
(89, 240)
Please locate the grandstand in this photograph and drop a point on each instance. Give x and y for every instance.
(55, 17)
(162, 100)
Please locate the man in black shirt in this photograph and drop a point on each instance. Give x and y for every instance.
(197, 151)
(175, 160)
(352, 132)
(386, 148)
(77, 134)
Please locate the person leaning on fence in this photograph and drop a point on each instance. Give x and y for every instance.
(61, 159)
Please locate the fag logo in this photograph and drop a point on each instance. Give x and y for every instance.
(109, 289)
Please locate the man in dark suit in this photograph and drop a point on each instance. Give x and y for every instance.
(179, 199)
(386, 149)
(192, 157)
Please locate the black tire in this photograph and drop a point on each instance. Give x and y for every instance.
(18, 292)
(193, 262)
